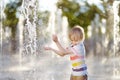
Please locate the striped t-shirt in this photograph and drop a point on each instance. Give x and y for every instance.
(78, 59)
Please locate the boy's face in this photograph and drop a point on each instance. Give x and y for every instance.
(74, 40)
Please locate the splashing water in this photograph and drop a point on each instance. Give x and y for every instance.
(51, 26)
(27, 36)
(116, 27)
(116, 7)
(58, 26)
(28, 46)
(30, 26)
(30, 39)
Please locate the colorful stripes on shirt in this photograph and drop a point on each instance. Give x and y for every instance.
(75, 64)
(80, 69)
(76, 57)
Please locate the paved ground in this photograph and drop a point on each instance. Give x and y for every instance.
(45, 66)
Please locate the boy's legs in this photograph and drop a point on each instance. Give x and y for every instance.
(81, 77)
(73, 77)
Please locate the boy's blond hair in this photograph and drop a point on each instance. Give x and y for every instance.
(77, 32)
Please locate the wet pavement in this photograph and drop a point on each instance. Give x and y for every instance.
(52, 67)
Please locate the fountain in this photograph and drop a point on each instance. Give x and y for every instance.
(32, 62)
(116, 71)
(30, 26)
(116, 27)
(28, 50)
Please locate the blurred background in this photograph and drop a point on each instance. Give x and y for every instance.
(27, 25)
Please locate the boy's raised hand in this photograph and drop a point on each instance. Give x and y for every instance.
(55, 38)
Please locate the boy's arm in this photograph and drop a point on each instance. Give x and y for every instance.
(62, 51)
(58, 52)
(60, 47)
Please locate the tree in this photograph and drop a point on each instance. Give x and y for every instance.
(11, 19)
(73, 11)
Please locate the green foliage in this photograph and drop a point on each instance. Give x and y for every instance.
(42, 18)
(11, 20)
(42, 21)
(10, 13)
(72, 10)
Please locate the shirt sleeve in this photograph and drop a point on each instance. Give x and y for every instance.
(79, 49)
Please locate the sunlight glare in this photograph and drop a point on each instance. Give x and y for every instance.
(49, 5)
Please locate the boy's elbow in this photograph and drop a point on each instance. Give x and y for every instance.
(62, 55)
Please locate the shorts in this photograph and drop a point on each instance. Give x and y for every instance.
(79, 72)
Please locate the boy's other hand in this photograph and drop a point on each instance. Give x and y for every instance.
(55, 38)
